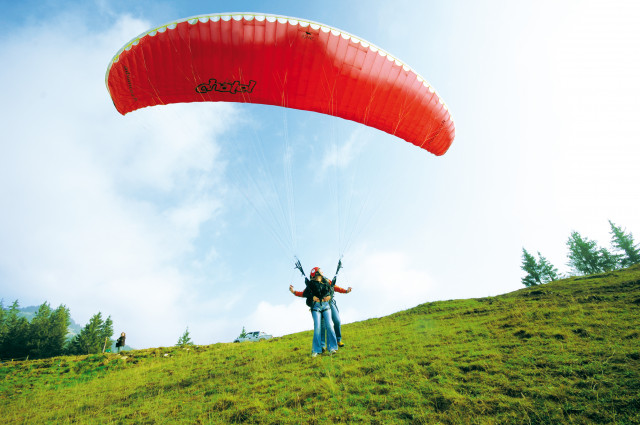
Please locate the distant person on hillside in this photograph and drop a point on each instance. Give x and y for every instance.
(120, 342)
(319, 294)
(335, 317)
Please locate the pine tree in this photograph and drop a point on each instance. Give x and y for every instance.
(59, 321)
(3, 323)
(585, 257)
(548, 272)
(107, 333)
(623, 242)
(530, 266)
(3, 316)
(538, 272)
(14, 340)
(185, 339)
(608, 261)
(91, 338)
(38, 332)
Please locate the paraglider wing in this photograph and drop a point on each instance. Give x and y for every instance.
(280, 61)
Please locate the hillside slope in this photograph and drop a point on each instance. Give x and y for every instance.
(565, 352)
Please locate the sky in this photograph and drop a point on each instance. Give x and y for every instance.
(164, 219)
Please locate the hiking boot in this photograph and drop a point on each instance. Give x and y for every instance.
(332, 352)
(314, 354)
(341, 344)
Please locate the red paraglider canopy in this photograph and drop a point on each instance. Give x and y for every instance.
(273, 60)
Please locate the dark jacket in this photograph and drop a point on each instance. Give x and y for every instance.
(316, 289)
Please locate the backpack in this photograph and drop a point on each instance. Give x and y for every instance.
(315, 288)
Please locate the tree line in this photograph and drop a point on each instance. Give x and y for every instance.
(46, 334)
(585, 257)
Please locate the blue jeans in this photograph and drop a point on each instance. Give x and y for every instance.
(336, 323)
(319, 311)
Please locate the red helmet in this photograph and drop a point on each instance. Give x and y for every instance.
(314, 271)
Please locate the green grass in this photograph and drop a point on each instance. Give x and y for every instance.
(566, 352)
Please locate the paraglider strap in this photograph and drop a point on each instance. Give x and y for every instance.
(299, 266)
(339, 266)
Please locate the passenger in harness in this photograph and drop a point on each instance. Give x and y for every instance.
(335, 317)
(319, 294)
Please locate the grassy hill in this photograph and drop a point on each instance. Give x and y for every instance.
(565, 352)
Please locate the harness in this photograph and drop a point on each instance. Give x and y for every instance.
(319, 289)
(319, 307)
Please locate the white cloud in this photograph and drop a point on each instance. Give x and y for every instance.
(99, 210)
(281, 319)
(383, 282)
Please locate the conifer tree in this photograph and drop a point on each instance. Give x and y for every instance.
(585, 257)
(60, 320)
(530, 266)
(38, 331)
(185, 339)
(623, 242)
(538, 272)
(91, 338)
(48, 331)
(548, 272)
(14, 339)
(3, 317)
(608, 261)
